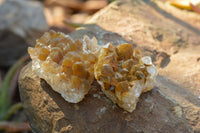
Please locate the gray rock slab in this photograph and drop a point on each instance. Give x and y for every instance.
(21, 22)
(48, 112)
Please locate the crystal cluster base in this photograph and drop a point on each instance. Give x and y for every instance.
(70, 66)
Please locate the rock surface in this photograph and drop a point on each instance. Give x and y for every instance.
(21, 22)
(48, 112)
(169, 107)
(160, 34)
(170, 36)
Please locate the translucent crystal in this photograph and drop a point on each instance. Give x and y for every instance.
(66, 64)
(69, 67)
(124, 75)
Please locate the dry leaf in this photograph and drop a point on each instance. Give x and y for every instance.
(195, 8)
(185, 4)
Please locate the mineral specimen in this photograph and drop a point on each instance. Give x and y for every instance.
(66, 64)
(123, 74)
(70, 66)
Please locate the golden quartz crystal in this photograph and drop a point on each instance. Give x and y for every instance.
(123, 74)
(69, 67)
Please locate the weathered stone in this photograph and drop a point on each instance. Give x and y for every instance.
(103, 36)
(175, 106)
(149, 25)
(170, 36)
(21, 22)
(47, 111)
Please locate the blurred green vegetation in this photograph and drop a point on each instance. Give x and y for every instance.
(6, 107)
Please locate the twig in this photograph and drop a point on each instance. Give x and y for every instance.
(13, 84)
(14, 127)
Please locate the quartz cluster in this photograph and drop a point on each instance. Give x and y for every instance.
(123, 74)
(70, 66)
(66, 64)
